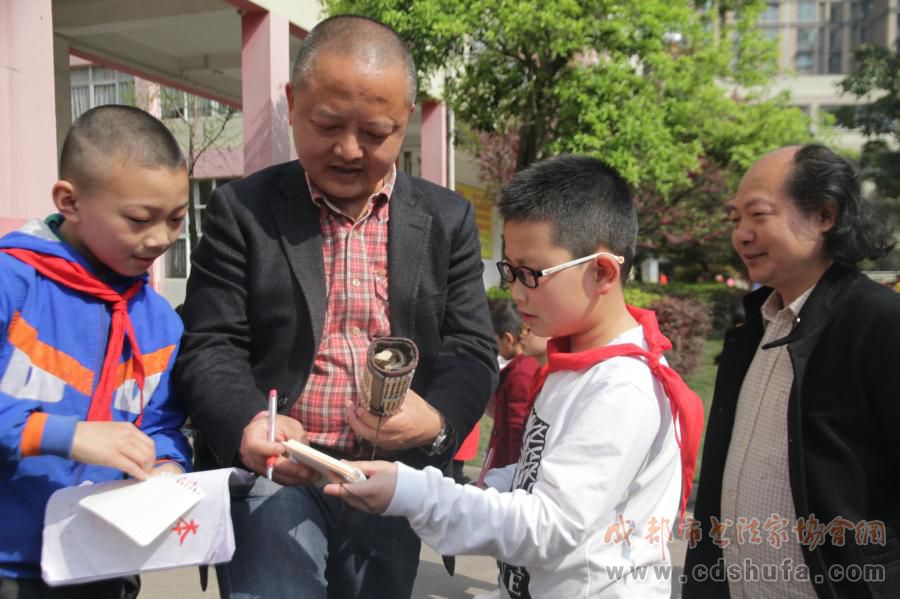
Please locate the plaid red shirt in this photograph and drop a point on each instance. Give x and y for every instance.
(356, 261)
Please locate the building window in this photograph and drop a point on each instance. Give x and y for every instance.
(806, 11)
(804, 61)
(95, 86)
(410, 162)
(178, 255)
(862, 11)
(841, 113)
(806, 39)
(821, 50)
(837, 13)
(771, 33)
(203, 189)
(771, 13)
(897, 43)
(835, 51)
(176, 258)
(179, 104)
(407, 162)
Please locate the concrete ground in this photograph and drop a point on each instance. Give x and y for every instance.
(474, 575)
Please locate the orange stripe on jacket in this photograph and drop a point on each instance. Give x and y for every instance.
(154, 363)
(24, 337)
(32, 434)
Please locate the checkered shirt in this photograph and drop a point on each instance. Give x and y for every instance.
(356, 282)
(756, 488)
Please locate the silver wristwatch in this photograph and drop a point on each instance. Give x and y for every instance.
(442, 441)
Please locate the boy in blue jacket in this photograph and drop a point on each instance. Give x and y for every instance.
(86, 347)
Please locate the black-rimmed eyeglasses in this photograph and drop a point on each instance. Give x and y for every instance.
(529, 277)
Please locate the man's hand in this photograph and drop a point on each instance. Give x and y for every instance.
(372, 495)
(416, 424)
(255, 448)
(117, 444)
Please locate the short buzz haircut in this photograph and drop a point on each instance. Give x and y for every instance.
(818, 177)
(114, 132)
(585, 200)
(506, 319)
(371, 41)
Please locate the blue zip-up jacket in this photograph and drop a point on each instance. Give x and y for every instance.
(52, 344)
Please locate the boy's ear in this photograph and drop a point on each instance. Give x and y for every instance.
(607, 273)
(65, 200)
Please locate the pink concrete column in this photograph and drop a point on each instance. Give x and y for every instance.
(146, 97)
(265, 69)
(434, 142)
(27, 111)
(10, 224)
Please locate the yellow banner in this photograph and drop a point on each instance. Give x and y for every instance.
(483, 216)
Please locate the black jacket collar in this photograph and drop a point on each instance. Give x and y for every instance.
(823, 301)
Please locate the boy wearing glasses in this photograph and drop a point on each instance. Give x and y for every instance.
(610, 443)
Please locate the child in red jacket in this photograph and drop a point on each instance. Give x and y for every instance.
(509, 406)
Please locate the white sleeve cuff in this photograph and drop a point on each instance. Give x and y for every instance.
(409, 492)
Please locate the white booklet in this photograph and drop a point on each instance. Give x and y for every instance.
(331, 468)
(143, 510)
(111, 529)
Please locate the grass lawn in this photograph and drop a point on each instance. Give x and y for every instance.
(486, 423)
(702, 381)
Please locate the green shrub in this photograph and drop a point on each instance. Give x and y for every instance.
(686, 323)
(721, 301)
(498, 293)
(686, 313)
(640, 296)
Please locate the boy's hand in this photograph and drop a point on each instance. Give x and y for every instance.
(117, 444)
(372, 495)
(416, 424)
(255, 448)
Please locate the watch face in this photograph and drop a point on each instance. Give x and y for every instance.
(439, 445)
(441, 441)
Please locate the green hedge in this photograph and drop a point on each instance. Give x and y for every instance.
(687, 312)
(686, 322)
(722, 302)
(641, 297)
(498, 294)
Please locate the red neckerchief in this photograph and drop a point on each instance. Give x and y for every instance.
(686, 407)
(76, 277)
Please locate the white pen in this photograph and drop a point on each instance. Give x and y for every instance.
(273, 412)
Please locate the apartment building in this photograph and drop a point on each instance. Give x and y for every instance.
(816, 39)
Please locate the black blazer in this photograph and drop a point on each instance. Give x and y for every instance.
(256, 301)
(843, 444)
